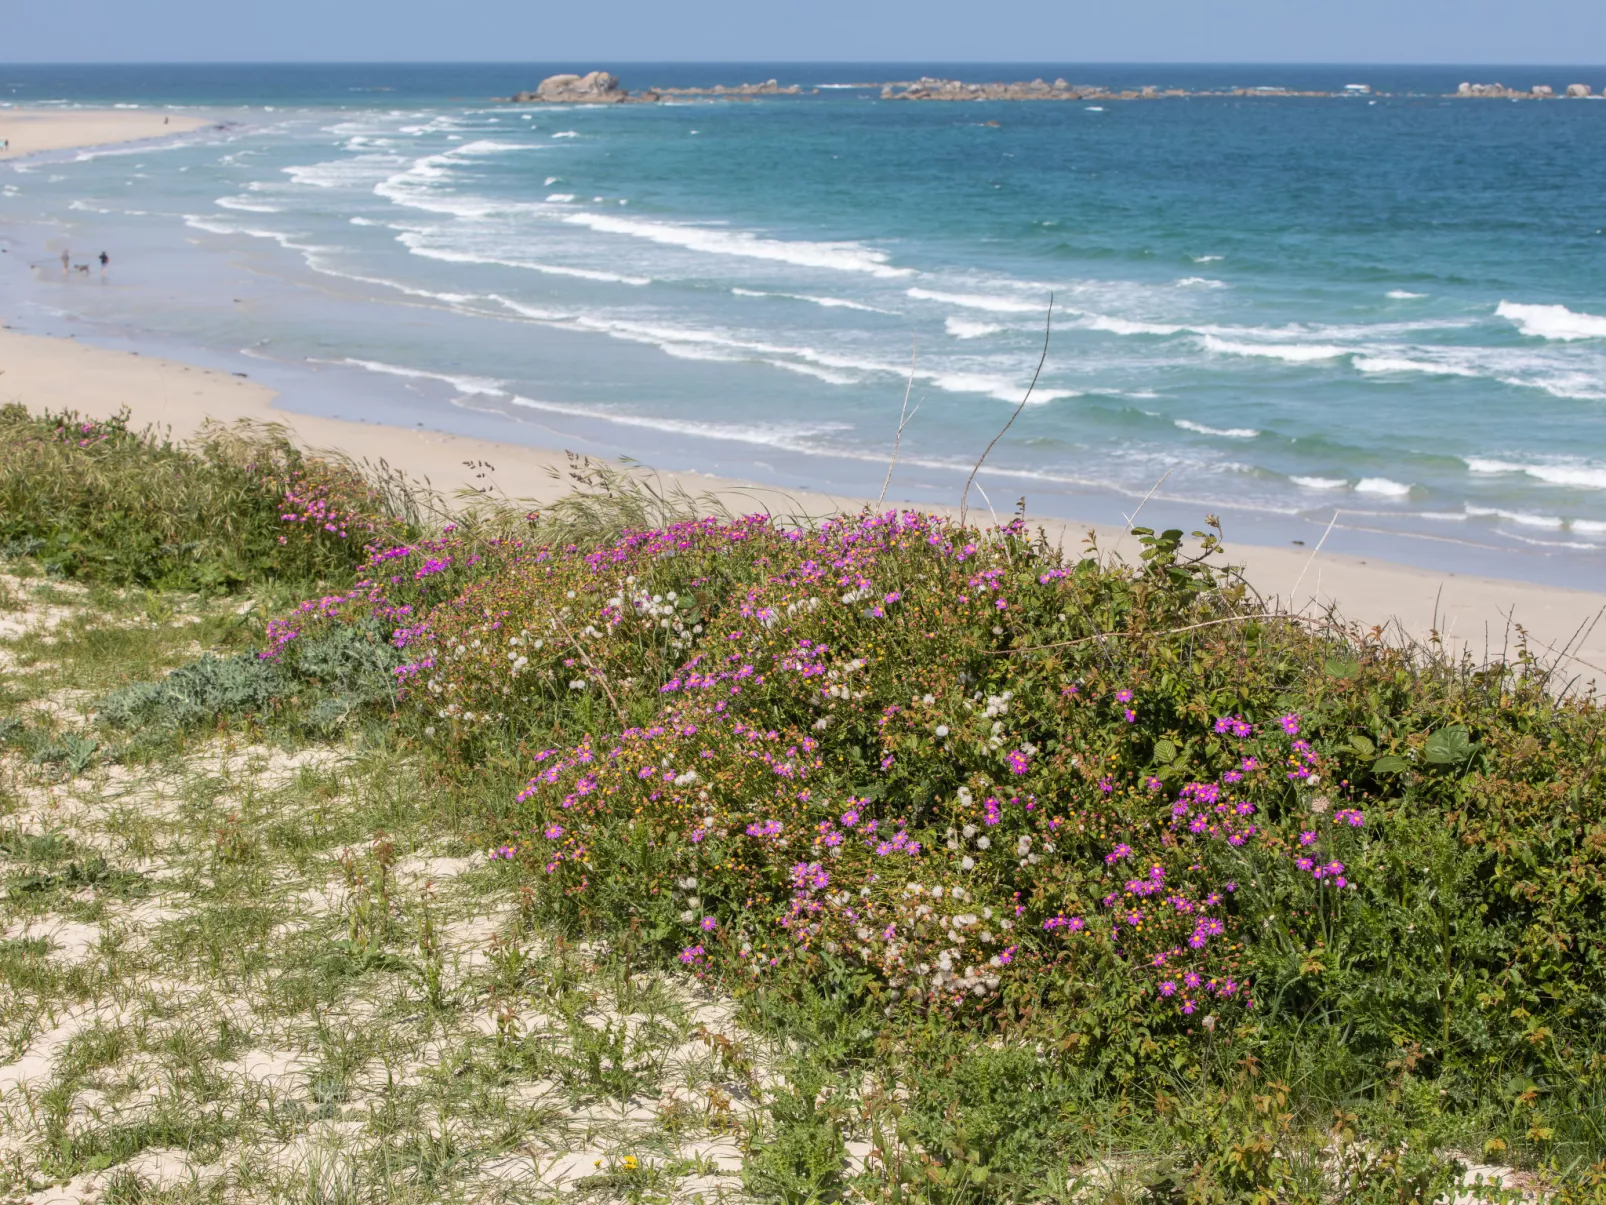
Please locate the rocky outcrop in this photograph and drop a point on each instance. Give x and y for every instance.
(767, 88)
(592, 88)
(1501, 92)
(1578, 91)
(929, 88)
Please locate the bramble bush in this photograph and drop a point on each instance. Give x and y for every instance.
(96, 500)
(1149, 840)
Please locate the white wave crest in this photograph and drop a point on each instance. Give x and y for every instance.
(980, 301)
(466, 385)
(1382, 486)
(1225, 432)
(1200, 282)
(1399, 364)
(1321, 483)
(1128, 326)
(416, 242)
(959, 328)
(1293, 353)
(827, 302)
(560, 198)
(1402, 295)
(1552, 321)
(246, 206)
(1580, 474)
(1522, 518)
(841, 257)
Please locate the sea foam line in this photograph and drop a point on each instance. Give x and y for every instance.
(841, 257)
(1552, 321)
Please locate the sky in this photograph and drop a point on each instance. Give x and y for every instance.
(615, 31)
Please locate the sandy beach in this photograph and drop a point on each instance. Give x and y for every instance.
(1481, 614)
(29, 131)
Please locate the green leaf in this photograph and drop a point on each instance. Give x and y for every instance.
(1448, 747)
(1164, 751)
(1361, 745)
(1342, 667)
(1389, 764)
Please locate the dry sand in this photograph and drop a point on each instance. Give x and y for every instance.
(29, 131)
(1479, 613)
(1475, 612)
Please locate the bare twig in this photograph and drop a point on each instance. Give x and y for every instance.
(602, 678)
(1312, 558)
(1048, 327)
(903, 417)
(1115, 549)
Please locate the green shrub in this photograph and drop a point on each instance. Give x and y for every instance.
(98, 501)
(990, 790)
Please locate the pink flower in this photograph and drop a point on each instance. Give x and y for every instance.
(1018, 761)
(709, 924)
(1290, 724)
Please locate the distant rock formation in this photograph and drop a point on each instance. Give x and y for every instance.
(929, 88)
(767, 88)
(1501, 92)
(592, 88)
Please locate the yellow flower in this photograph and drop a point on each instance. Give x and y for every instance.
(629, 1163)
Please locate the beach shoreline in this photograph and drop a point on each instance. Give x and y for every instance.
(35, 131)
(1481, 615)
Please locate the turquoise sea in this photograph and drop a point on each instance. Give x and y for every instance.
(1391, 306)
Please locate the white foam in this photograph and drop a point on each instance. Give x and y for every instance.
(1382, 486)
(1321, 483)
(841, 257)
(1578, 473)
(415, 242)
(827, 302)
(246, 206)
(1522, 518)
(981, 301)
(959, 328)
(567, 134)
(1293, 353)
(1200, 282)
(1402, 295)
(1128, 326)
(1226, 432)
(790, 437)
(1552, 321)
(467, 385)
(1206, 259)
(1588, 527)
(560, 198)
(1399, 364)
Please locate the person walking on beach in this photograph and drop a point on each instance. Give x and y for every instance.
(104, 260)
(66, 261)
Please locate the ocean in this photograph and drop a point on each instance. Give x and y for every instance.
(1388, 308)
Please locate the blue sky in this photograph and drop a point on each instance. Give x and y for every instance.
(1072, 31)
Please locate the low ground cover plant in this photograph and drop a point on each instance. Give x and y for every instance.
(1141, 835)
